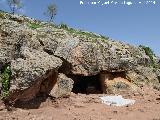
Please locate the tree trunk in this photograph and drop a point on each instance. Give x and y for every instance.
(13, 10)
(51, 18)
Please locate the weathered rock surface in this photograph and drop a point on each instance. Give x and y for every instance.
(116, 83)
(158, 74)
(143, 75)
(39, 54)
(33, 68)
(63, 86)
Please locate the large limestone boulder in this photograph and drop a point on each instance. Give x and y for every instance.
(89, 58)
(31, 71)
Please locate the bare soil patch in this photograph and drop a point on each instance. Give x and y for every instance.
(89, 107)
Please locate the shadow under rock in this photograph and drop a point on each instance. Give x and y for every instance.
(33, 103)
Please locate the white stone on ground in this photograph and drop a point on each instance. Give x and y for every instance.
(116, 101)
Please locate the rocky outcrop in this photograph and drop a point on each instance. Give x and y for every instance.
(143, 75)
(42, 55)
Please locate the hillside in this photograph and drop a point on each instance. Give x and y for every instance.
(42, 59)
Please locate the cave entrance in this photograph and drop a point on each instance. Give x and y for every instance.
(114, 75)
(86, 84)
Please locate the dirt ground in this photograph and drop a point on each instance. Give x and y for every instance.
(88, 107)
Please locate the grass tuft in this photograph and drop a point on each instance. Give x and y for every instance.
(34, 25)
(83, 33)
(6, 74)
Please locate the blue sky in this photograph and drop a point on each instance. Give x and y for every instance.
(135, 24)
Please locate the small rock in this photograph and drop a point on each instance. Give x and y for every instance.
(115, 112)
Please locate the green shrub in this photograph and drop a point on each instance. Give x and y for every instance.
(34, 25)
(2, 15)
(150, 54)
(6, 74)
(63, 26)
(120, 85)
(104, 37)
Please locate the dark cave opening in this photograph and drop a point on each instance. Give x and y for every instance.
(86, 84)
(121, 74)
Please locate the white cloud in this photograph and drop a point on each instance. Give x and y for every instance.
(129, 3)
(81, 2)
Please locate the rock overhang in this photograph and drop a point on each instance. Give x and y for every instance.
(33, 52)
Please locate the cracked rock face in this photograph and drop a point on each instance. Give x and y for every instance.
(35, 54)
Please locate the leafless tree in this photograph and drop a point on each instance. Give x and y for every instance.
(14, 5)
(51, 11)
